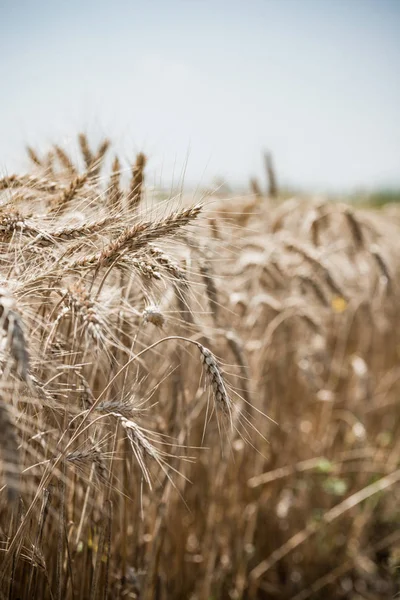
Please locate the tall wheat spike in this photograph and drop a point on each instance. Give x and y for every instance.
(137, 182)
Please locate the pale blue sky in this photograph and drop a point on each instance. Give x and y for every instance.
(316, 81)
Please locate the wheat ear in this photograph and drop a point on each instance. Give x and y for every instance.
(34, 157)
(9, 452)
(85, 149)
(137, 237)
(137, 182)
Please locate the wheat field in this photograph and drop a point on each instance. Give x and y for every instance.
(199, 397)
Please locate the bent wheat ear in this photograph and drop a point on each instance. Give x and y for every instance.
(91, 455)
(214, 375)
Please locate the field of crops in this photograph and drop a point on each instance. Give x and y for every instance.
(199, 397)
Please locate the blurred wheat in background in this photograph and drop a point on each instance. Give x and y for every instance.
(199, 399)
